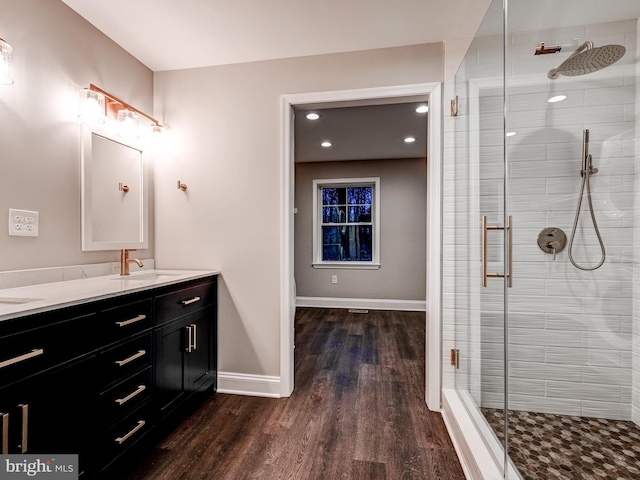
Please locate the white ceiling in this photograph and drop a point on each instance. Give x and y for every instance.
(371, 132)
(172, 34)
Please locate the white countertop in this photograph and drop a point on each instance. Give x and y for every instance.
(21, 301)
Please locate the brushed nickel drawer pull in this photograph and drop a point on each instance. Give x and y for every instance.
(33, 353)
(4, 418)
(121, 440)
(121, 401)
(130, 321)
(141, 353)
(24, 444)
(190, 301)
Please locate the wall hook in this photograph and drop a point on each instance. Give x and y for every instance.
(123, 188)
(181, 186)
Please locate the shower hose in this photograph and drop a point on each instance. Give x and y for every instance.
(585, 182)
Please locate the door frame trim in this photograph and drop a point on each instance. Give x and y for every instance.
(434, 225)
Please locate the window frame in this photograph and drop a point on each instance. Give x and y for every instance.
(318, 185)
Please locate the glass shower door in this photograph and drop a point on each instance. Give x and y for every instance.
(475, 232)
(572, 114)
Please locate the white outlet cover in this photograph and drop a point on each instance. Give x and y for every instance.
(23, 223)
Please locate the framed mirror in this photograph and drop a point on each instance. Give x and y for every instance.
(113, 191)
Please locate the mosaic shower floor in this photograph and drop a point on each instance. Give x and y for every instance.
(547, 446)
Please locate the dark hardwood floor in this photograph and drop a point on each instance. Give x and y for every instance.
(357, 412)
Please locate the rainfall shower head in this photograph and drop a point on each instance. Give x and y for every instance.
(588, 59)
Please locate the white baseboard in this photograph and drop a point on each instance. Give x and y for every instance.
(367, 303)
(251, 385)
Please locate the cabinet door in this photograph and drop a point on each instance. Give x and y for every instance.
(46, 414)
(169, 345)
(201, 358)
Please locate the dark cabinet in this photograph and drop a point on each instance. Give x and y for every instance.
(33, 413)
(46, 411)
(185, 344)
(99, 378)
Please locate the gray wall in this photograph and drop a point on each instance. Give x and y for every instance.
(56, 53)
(224, 142)
(403, 187)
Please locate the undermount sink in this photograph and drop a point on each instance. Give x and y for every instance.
(16, 301)
(146, 277)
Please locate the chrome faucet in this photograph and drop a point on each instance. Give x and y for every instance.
(125, 261)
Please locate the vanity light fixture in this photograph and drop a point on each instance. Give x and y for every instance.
(313, 116)
(422, 109)
(113, 107)
(6, 63)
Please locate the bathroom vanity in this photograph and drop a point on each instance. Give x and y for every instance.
(97, 366)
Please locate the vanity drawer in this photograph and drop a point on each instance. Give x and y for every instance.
(123, 321)
(125, 359)
(125, 433)
(121, 399)
(184, 301)
(32, 345)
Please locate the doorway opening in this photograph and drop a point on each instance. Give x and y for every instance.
(289, 103)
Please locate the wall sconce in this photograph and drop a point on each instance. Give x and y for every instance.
(6, 63)
(127, 116)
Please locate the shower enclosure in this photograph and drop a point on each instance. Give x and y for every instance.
(541, 243)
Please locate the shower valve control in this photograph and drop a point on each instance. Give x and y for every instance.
(552, 240)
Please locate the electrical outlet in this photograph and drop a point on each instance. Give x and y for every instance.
(23, 223)
(334, 279)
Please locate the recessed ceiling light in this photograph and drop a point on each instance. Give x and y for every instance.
(510, 134)
(410, 139)
(422, 109)
(313, 116)
(557, 98)
(326, 144)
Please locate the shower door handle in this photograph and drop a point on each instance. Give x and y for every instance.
(509, 232)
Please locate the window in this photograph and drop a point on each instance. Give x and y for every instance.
(346, 223)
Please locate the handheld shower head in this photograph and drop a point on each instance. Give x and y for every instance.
(588, 59)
